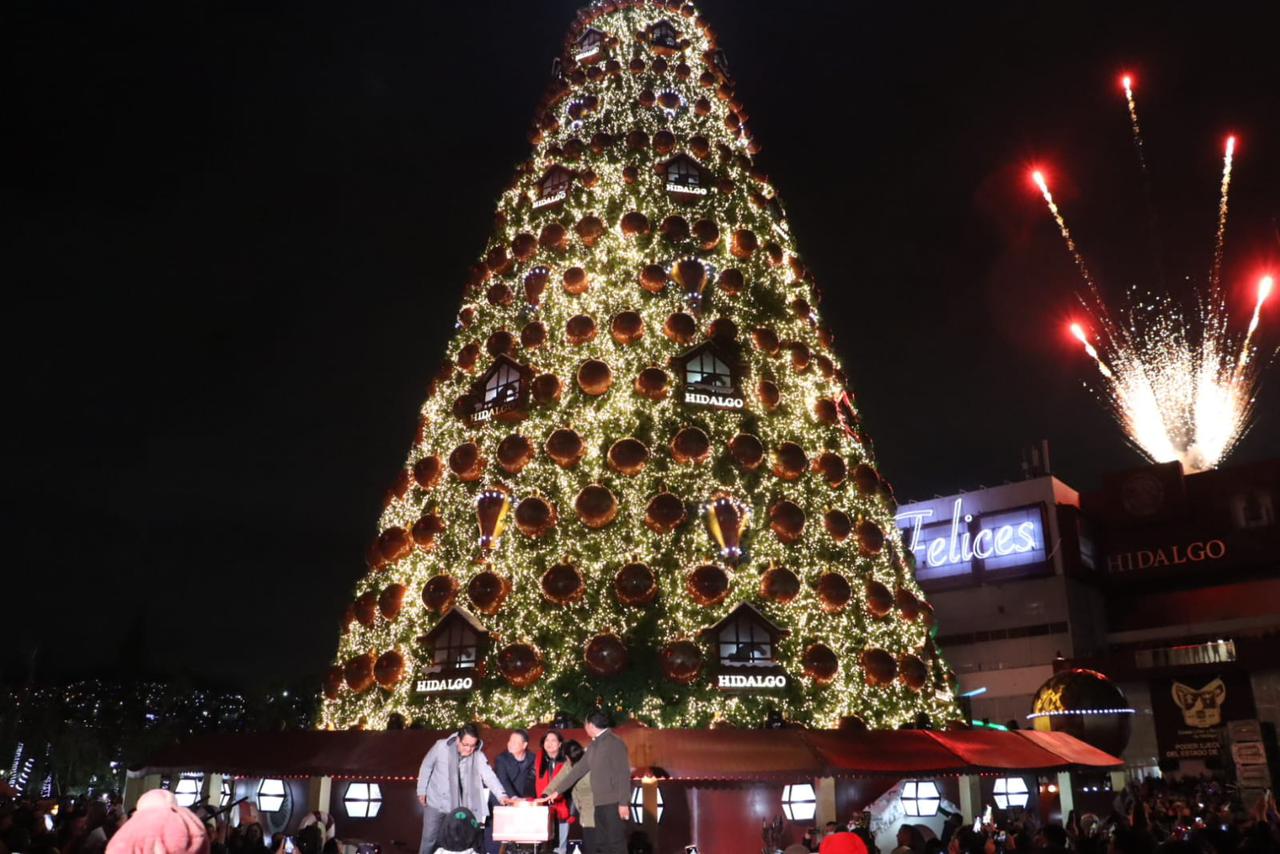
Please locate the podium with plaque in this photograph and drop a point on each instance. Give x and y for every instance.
(523, 824)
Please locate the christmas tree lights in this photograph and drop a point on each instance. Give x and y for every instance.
(640, 387)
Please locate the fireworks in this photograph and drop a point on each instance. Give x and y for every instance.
(1127, 83)
(1038, 177)
(1215, 274)
(1265, 286)
(1179, 383)
(1171, 381)
(1078, 331)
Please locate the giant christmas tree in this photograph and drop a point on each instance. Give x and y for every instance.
(639, 480)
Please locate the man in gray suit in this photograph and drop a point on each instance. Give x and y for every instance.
(610, 766)
(455, 773)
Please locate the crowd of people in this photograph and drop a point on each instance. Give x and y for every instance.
(587, 790)
(157, 825)
(1158, 816)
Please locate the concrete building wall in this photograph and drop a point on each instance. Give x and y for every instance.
(1142, 752)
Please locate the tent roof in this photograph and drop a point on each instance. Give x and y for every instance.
(718, 755)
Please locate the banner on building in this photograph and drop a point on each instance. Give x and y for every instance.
(1191, 713)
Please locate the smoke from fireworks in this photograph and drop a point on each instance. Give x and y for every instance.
(1179, 384)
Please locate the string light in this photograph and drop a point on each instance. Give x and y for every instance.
(613, 264)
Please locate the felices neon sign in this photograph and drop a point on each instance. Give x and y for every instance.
(1000, 539)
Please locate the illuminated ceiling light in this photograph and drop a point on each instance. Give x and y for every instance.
(920, 798)
(799, 803)
(362, 800)
(271, 795)
(187, 792)
(1010, 792)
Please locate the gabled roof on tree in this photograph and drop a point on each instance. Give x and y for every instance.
(666, 28)
(746, 609)
(456, 613)
(695, 162)
(498, 362)
(555, 170)
(710, 347)
(590, 36)
(700, 349)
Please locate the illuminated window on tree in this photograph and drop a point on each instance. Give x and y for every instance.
(589, 43)
(664, 35)
(744, 642)
(1010, 792)
(362, 800)
(920, 798)
(455, 648)
(271, 795)
(684, 173)
(187, 790)
(706, 369)
(555, 183)
(501, 386)
(799, 802)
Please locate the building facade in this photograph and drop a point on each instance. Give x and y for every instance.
(1168, 583)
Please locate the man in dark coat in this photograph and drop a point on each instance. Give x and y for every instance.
(610, 766)
(515, 771)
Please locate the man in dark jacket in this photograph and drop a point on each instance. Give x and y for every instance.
(610, 766)
(515, 771)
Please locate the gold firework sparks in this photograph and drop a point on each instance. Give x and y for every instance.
(1127, 83)
(1178, 383)
(1265, 286)
(1038, 177)
(1215, 274)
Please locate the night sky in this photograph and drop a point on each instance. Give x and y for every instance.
(237, 235)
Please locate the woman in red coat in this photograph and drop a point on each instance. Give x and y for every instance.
(551, 761)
